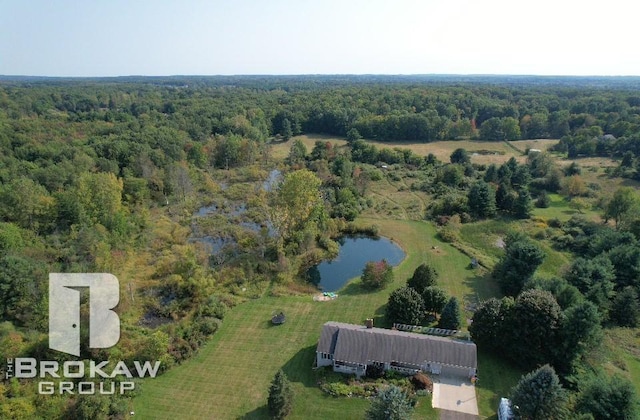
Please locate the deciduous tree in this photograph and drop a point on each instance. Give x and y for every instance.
(434, 299)
(609, 398)
(423, 276)
(405, 306)
(522, 258)
(535, 326)
(377, 274)
(623, 207)
(460, 156)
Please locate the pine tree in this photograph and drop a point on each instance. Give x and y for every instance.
(287, 131)
(522, 206)
(482, 200)
(504, 198)
(390, 404)
(625, 310)
(450, 317)
(539, 396)
(280, 396)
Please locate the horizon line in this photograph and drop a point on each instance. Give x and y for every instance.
(327, 75)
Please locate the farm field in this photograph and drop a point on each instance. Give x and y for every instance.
(249, 350)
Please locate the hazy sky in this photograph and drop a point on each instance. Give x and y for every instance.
(207, 37)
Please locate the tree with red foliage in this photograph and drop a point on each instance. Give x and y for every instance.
(377, 274)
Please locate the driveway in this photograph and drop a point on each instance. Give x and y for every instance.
(454, 394)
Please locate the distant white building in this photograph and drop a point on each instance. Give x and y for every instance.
(532, 151)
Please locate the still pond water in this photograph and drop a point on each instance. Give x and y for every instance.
(355, 252)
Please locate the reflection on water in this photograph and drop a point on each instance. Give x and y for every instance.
(355, 252)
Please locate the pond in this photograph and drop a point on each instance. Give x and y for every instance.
(355, 252)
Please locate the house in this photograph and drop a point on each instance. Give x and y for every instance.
(351, 348)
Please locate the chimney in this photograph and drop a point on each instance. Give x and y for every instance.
(369, 322)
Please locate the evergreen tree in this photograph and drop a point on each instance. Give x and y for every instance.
(539, 396)
(390, 404)
(522, 206)
(625, 310)
(450, 317)
(460, 155)
(423, 276)
(504, 197)
(491, 175)
(280, 398)
(482, 200)
(287, 131)
(405, 306)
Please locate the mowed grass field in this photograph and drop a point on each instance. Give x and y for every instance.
(230, 376)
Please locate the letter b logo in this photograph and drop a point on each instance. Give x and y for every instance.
(64, 311)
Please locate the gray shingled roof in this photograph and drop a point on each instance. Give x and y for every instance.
(358, 344)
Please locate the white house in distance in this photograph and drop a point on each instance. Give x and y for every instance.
(351, 348)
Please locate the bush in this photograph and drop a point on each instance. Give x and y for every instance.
(374, 371)
(543, 201)
(448, 234)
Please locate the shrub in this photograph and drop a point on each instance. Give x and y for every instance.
(448, 234)
(543, 201)
(375, 371)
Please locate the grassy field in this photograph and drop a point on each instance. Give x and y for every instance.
(620, 354)
(229, 377)
(483, 152)
(280, 149)
(486, 237)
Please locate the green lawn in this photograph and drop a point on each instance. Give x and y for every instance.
(230, 376)
(496, 378)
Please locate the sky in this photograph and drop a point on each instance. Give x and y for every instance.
(214, 37)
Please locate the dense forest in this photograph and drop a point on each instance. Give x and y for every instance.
(108, 175)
